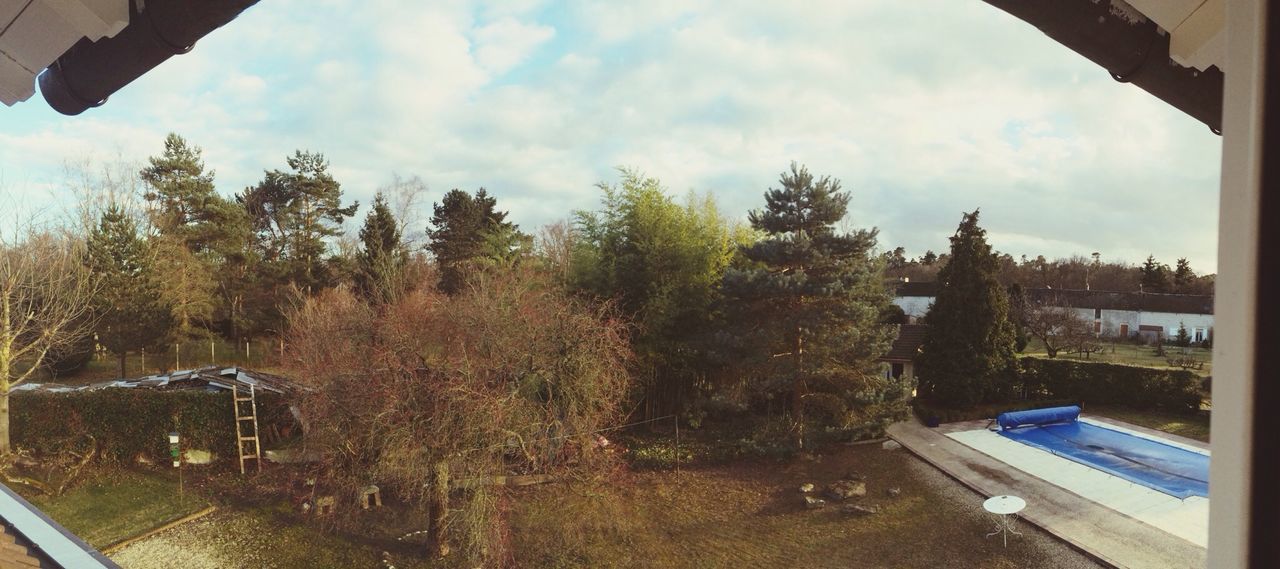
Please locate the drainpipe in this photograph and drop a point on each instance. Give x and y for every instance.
(89, 72)
(1132, 48)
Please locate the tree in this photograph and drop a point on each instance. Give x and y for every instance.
(45, 308)
(129, 312)
(1155, 276)
(383, 258)
(199, 234)
(1183, 276)
(968, 349)
(1055, 324)
(293, 215)
(663, 262)
(929, 258)
(814, 298)
(467, 230)
(509, 375)
(1183, 338)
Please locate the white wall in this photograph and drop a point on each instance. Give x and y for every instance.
(913, 306)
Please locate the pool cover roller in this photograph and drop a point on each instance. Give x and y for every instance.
(1036, 417)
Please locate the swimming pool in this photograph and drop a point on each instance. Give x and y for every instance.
(1173, 470)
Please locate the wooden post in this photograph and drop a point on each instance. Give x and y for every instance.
(213, 354)
(177, 358)
(677, 418)
(144, 361)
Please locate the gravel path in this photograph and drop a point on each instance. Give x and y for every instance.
(219, 540)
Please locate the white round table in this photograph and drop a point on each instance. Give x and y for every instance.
(1004, 506)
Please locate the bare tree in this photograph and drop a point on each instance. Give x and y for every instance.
(555, 245)
(408, 197)
(45, 295)
(1056, 325)
(512, 375)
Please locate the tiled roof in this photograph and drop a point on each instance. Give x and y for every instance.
(1134, 301)
(29, 538)
(907, 345)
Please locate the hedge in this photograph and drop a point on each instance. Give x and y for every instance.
(1109, 384)
(125, 422)
(926, 411)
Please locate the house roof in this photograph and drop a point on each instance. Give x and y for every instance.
(209, 378)
(1132, 301)
(31, 538)
(917, 289)
(907, 344)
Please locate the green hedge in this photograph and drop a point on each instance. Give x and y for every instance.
(125, 422)
(1110, 384)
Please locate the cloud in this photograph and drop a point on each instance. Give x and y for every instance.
(923, 110)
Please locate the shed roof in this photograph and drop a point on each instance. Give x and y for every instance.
(209, 378)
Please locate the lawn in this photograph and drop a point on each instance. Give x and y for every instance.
(1194, 426)
(116, 504)
(745, 513)
(1134, 354)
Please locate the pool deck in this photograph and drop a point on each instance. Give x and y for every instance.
(1109, 536)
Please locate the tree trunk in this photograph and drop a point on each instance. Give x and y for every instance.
(438, 506)
(797, 392)
(5, 447)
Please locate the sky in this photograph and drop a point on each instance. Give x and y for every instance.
(923, 110)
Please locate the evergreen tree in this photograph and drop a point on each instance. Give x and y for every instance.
(815, 296)
(466, 230)
(198, 233)
(968, 348)
(130, 313)
(293, 215)
(1155, 275)
(929, 258)
(1183, 339)
(382, 260)
(1183, 276)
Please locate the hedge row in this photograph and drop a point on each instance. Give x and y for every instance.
(125, 422)
(927, 412)
(1109, 384)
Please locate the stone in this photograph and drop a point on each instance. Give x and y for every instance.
(890, 445)
(853, 475)
(814, 503)
(859, 510)
(845, 489)
(894, 492)
(806, 488)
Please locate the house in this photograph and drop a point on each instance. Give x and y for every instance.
(28, 538)
(1112, 313)
(902, 356)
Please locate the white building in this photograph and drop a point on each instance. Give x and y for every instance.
(1117, 314)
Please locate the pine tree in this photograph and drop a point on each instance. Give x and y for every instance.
(968, 349)
(293, 214)
(1183, 276)
(816, 297)
(1155, 275)
(130, 312)
(466, 230)
(382, 260)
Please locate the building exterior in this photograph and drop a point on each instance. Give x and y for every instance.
(1114, 314)
(901, 358)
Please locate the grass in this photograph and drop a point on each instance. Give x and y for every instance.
(1194, 426)
(1133, 354)
(118, 504)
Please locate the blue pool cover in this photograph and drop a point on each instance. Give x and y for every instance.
(1166, 468)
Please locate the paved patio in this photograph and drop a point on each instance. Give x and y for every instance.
(1109, 535)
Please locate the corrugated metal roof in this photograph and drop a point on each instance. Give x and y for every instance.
(210, 378)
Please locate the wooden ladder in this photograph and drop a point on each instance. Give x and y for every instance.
(241, 427)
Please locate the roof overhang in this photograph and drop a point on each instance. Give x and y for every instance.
(1172, 49)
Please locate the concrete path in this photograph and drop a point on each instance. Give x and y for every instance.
(1110, 536)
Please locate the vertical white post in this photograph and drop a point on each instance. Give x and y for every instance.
(1236, 285)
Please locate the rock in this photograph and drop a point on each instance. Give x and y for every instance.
(806, 488)
(845, 489)
(852, 475)
(859, 510)
(894, 492)
(814, 503)
(890, 445)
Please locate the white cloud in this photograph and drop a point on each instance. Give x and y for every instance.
(923, 110)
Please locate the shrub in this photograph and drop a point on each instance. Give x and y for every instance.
(1109, 384)
(127, 422)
